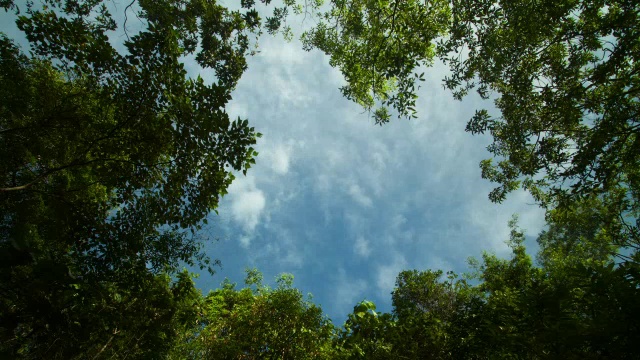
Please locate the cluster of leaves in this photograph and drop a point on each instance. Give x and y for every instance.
(49, 314)
(257, 322)
(567, 91)
(379, 46)
(568, 126)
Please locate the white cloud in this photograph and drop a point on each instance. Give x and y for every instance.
(247, 208)
(237, 110)
(386, 274)
(278, 157)
(359, 196)
(348, 291)
(281, 160)
(398, 221)
(281, 249)
(247, 203)
(492, 219)
(361, 247)
(245, 241)
(284, 53)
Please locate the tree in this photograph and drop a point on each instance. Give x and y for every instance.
(53, 316)
(379, 46)
(258, 322)
(568, 99)
(112, 159)
(568, 85)
(577, 305)
(566, 92)
(431, 319)
(576, 235)
(436, 319)
(131, 136)
(366, 334)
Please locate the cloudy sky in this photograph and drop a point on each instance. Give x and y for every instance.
(343, 204)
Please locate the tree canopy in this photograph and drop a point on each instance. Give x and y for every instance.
(379, 46)
(113, 155)
(258, 322)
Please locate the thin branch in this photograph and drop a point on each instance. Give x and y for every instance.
(124, 26)
(115, 331)
(39, 177)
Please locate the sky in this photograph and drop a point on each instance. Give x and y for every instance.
(343, 204)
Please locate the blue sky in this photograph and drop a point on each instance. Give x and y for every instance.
(343, 204)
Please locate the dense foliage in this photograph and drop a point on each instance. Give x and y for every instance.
(112, 157)
(378, 46)
(258, 322)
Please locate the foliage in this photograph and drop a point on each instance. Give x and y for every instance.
(436, 318)
(567, 91)
(259, 322)
(130, 136)
(379, 46)
(568, 99)
(580, 234)
(112, 159)
(366, 334)
(431, 319)
(56, 316)
(576, 306)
